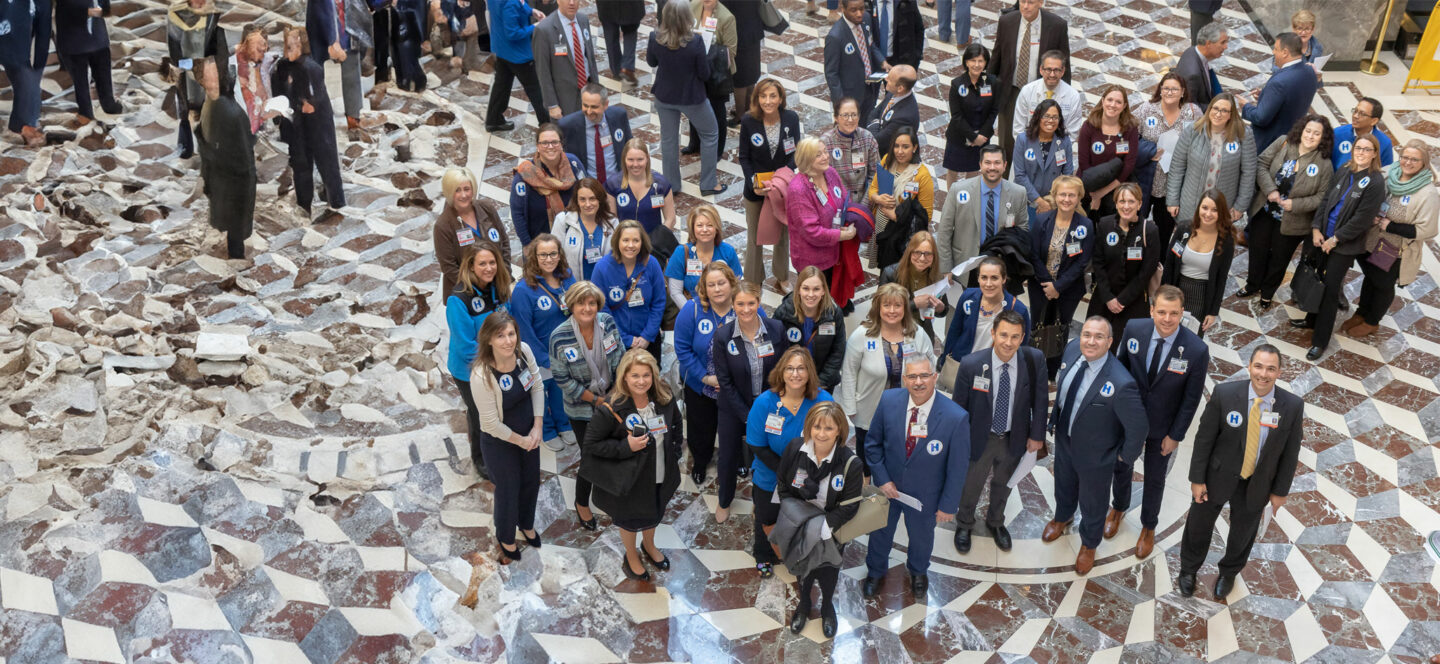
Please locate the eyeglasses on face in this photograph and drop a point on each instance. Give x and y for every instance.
(549, 144)
(919, 376)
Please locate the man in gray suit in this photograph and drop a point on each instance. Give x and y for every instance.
(978, 208)
(564, 58)
(1194, 65)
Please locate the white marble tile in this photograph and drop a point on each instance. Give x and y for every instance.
(1142, 623)
(723, 560)
(1220, 633)
(902, 620)
(740, 623)
(575, 649)
(191, 612)
(1306, 636)
(297, 589)
(26, 592)
(164, 514)
(1384, 617)
(645, 607)
(91, 642)
(278, 652)
(1024, 639)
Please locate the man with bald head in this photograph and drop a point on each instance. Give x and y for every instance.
(899, 109)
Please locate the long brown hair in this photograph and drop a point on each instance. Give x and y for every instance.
(494, 324)
(1127, 119)
(1224, 227)
(503, 282)
(889, 291)
(630, 224)
(825, 301)
(912, 279)
(603, 214)
(1234, 127)
(764, 84)
(812, 379)
(531, 270)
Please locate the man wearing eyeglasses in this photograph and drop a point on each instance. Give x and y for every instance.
(918, 445)
(1050, 85)
(1363, 120)
(1098, 420)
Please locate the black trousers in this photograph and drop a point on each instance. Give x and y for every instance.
(1377, 291)
(505, 74)
(312, 146)
(582, 485)
(997, 464)
(1270, 254)
(717, 104)
(700, 426)
(80, 66)
(622, 54)
(1156, 467)
(1200, 525)
(766, 513)
(403, 54)
(516, 474)
(25, 86)
(1164, 221)
(1199, 20)
(1336, 265)
(733, 453)
(472, 419)
(827, 577)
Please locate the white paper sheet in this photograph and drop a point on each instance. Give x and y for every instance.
(280, 105)
(1319, 63)
(1027, 464)
(1265, 518)
(1167, 142)
(952, 295)
(909, 501)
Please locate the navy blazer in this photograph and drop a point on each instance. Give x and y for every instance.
(76, 31)
(1284, 100)
(885, 124)
(935, 472)
(844, 68)
(1072, 268)
(733, 371)
(680, 74)
(321, 26)
(1172, 401)
(960, 339)
(527, 207)
(1029, 399)
(1106, 426)
(577, 141)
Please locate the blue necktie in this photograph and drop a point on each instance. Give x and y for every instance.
(885, 27)
(1002, 401)
(1068, 408)
(989, 215)
(1155, 360)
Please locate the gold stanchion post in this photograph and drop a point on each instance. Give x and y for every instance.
(1376, 67)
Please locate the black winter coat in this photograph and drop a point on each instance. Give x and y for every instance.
(829, 349)
(608, 438)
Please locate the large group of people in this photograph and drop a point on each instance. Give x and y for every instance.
(1143, 209)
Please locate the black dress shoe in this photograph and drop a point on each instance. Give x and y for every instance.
(711, 192)
(871, 587)
(802, 616)
(919, 583)
(1185, 583)
(1302, 323)
(962, 540)
(743, 472)
(1223, 585)
(1002, 537)
(698, 477)
(1314, 353)
(690, 149)
(625, 564)
(509, 555)
(828, 624)
(1265, 304)
(663, 564)
(503, 126)
(1246, 292)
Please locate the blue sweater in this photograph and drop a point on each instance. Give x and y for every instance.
(510, 31)
(675, 269)
(465, 312)
(642, 320)
(695, 326)
(767, 404)
(538, 311)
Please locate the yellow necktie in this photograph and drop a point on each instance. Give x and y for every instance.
(1049, 94)
(1252, 441)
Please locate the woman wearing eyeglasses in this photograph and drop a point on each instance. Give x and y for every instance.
(538, 305)
(541, 187)
(1169, 109)
(1405, 225)
(916, 270)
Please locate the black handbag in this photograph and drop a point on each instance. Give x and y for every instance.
(1308, 285)
(720, 83)
(1050, 335)
(613, 476)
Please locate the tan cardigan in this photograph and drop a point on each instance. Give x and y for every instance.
(1423, 211)
(486, 392)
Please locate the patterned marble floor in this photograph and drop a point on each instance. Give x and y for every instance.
(346, 533)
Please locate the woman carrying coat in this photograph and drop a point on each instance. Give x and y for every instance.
(819, 469)
(769, 133)
(973, 108)
(1217, 152)
(585, 354)
(585, 227)
(1043, 153)
(814, 208)
(741, 345)
(541, 187)
(464, 219)
(1109, 140)
(911, 179)
(714, 23)
(1293, 178)
(1409, 220)
(1338, 233)
(813, 320)
(640, 403)
(1198, 259)
(506, 387)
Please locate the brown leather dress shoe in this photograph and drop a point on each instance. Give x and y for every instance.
(1053, 531)
(1363, 330)
(1351, 322)
(1112, 522)
(1085, 561)
(1146, 544)
(33, 136)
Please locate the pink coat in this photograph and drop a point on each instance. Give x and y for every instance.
(813, 241)
(773, 219)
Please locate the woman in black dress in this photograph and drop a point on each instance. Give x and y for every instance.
(750, 33)
(973, 107)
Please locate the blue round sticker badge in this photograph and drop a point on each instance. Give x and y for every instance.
(793, 334)
(634, 420)
(964, 90)
(1112, 239)
(506, 382)
(1079, 232)
(934, 447)
(837, 482)
(706, 327)
(619, 136)
(1312, 170)
(964, 197)
(1097, 147)
(494, 235)
(1232, 147)
(520, 188)
(1345, 147)
(623, 198)
(616, 293)
(757, 139)
(836, 154)
(849, 49)
(1150, 121)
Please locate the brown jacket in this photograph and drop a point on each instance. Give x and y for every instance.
(447, 243)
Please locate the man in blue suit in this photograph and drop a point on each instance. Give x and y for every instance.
(852, 57)
(597, 133)
(23, 53)
(919, 445)
(1098, 420)
(1286, 97)
(1004, 390)
(1168, 363)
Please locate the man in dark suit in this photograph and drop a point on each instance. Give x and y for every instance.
(919, 445)
(1005, 392)
(597, 132)
(1169, 363)
(1202, 13)
(1245, 454)
(341, 30)
(1194, 66)
(898, 109)
(1098, 420)
(564, 58)
(1286, 96)
(83, 44)
(899, 30)
(23, 53)
(852, 57)
(1014, 66)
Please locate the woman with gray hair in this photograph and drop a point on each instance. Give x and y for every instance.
(681, 69)
(465, 218)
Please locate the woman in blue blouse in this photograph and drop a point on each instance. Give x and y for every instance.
(585, 227)
(483, 288)
(538, 305)
(777, 418)
(706, 245)
(541, 187)
(695, 326)
(640, 193)
(634, 287)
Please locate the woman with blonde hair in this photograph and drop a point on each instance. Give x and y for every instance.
(1061, 240)
(813, 320)
(632, 454)
(705, 245)
(875, 354)
(483, 288)
(1108, 141)
(585, 354)
(538, 305)
(1217, 152)
(505, 385)
(640, 193)
(465, 218)
(585, 226)
(815, 209)
(1405, 224)
(681, 68)
(917, 269)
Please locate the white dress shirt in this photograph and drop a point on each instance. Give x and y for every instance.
(1072, 106)
(995, 365)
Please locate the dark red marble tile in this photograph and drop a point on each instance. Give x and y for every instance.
(1357, 479)
(1184, 631)
(1406, 396)
(995, 615)
(1418, 601)
(291, 623)
(112, 604)
(1261, 635)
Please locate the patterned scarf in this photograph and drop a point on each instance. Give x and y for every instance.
(255, 91)
(538, 179)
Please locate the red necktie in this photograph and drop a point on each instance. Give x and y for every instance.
(339, 19)
(577, 51)
(864, 49)
(599, 156)
(909, 439)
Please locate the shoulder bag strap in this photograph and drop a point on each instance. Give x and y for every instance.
(858, 498)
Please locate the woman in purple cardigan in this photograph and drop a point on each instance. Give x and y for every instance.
(815, 207)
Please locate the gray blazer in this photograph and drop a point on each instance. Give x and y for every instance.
(1307, 191)
(958, 229)
(558, 84)
(1191, 161)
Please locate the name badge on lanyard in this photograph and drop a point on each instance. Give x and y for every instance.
(656, 425)
(1072, 249)
(800, 477)
(857, 160)
(657, 201)
(1123, 147)
(526, 380)
(789, 145)
(764, 349)
(774, 423)
(1178, 365)
(561, 50)
(1134, 253)
(981, 384)
(465, 237)
(919, 430)
(985, 91)
(611, 343)
(827, 329)
(637, 298)
(592, 254)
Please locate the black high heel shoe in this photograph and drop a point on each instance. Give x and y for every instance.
(663, 564)
(508, 556)
(532, 541)
(587, 524)
(629, 573)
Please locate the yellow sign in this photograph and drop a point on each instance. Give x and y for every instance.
(1425, 71)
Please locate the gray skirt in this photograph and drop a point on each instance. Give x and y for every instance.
(1194, 290)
